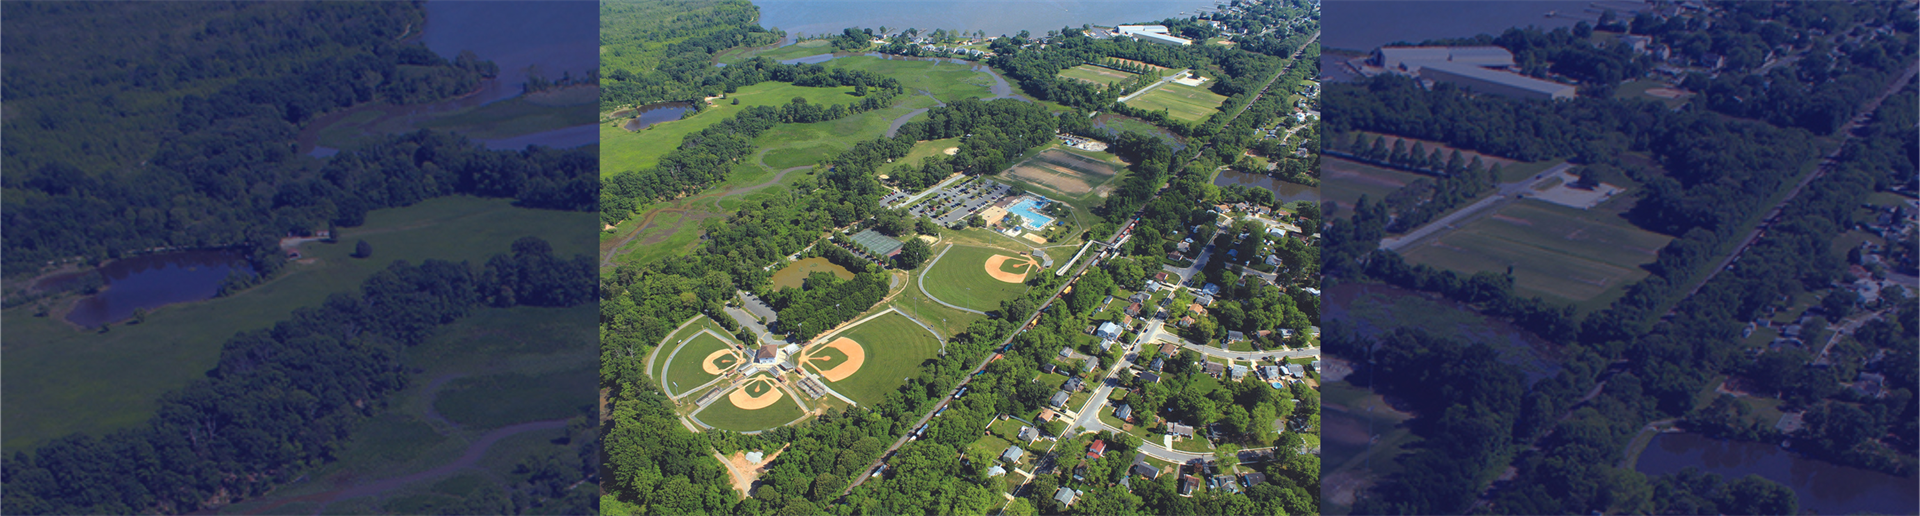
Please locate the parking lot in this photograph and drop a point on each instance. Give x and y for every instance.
(955, 204)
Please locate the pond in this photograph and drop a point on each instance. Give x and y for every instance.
(1822, 487)
(156, 280)
(656, 113)
(795, 274)
(1282, 191)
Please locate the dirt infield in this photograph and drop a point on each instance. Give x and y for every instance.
(1665, 93)
(952, 151)
(742, 398)
(995, 269)
(856, 357)
(1035, 238)
(1063, 171)
(719, 361)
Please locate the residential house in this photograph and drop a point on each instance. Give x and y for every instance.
(1097, 450)
(1108, 331)
(1234, 336)
(1253, 479)
(1028, 434)
(1296, 370)
(1065, 496)
(1238, 371)
(1072, 385)
(1181, 430)
(1157, 364)
(1048, 367)
(1196, 309)
(1188, 484)
(1013, 454)
(1146, 470)
(1059, 399)
(1214, 369)
(1092, 363)
(1186, 321)
(1124, 412)
(1149, 377)
(1133, 309)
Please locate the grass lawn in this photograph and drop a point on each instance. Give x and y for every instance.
(960, 277)
(921, 151)
(796, 50)
(1006, 429)
(128, 368)
(895, 347)
(1194, 445)
(1586, 257)
(494, 401)
(520, 115)
(1052, 380)
(991, 446)
(1180, 101)
(623, 151)
(724, 415)
(1096, 74)
(948, 81)
(684, 371)
(1343, 182)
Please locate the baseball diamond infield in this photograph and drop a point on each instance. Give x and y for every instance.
(871, 359)
(977, 278)
(696, 360)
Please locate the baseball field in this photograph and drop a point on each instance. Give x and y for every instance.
(871, 359)
(757, 405)
(979, 277)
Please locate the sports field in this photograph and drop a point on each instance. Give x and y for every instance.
(885, 349)
(1585, 257)
(977, 277)
(1064, 172)
(1343, 181)
(1182, 102)
(1096, 74)
(701, 359)
(726, 414)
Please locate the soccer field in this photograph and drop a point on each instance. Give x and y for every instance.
(890, 348)
(1182, 102)
(961, 277)
(1585, 257)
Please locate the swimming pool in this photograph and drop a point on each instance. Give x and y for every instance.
(1029, 211)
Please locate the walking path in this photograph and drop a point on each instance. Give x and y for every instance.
(922, 283)
(1156, 84)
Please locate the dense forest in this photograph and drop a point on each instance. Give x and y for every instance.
(223, 172)
(283, 400)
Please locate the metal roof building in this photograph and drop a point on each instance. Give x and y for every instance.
(1495, 82)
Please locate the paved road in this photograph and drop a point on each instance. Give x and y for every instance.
(1188, 272)
(1506, 194)
(745, 319)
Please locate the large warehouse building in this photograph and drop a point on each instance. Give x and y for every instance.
(1151, 33)
(1482, 69)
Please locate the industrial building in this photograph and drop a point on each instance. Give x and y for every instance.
(1152, 34)
(1481, 69)
(1409, 60)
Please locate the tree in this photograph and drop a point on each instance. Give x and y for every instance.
(139, 315)
(362, 249)
(913, 253)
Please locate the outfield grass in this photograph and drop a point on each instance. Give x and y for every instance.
(129, 367)
(960, 278)
(895, 347)
(1559, 253)
(665, 346)
(685, 370)
(1182, 102)
(623, 151)
(724, 415)
(1096, 74)
(494, 401)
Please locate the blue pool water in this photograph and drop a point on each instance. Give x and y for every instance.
(1029, 211)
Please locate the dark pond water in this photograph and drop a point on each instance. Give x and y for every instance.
(1372, 310)
(1821, 486)
(656, 113)
(1363, 25)
(155, 280)
(995, 17)
(523, 37)
(1282, 190)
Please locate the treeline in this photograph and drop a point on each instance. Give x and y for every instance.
(1420, 201)
(642, 68)
(1273, 28)
(706, 157)
(824, 301)
(284, 399)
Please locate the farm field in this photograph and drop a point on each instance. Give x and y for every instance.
(1343, 181)
(1096, 74)
(1182, 102)
(132, 365)
(890, 345)
(1585, 257)
(623, 151)
(962, 277)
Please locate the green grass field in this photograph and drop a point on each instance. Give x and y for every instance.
(1344, 181)
(665, 346)
(895, 347)
(1585, 257)
(1096, 74)
(684, 372)
(129, 367)
(921, 151)
(494, 401)
(623, 151)
(961, 278)
(1182, 102)
(724, 415)
(796, 50)
(948, 81)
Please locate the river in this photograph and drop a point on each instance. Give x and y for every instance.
(1822, 487)
(155, 280)
(1282, 191)
(995, 17)
(1364, 25)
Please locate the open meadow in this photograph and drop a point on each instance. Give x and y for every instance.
(1585, 257)
(1181, 102)
(130, 366)
(1096, 74)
